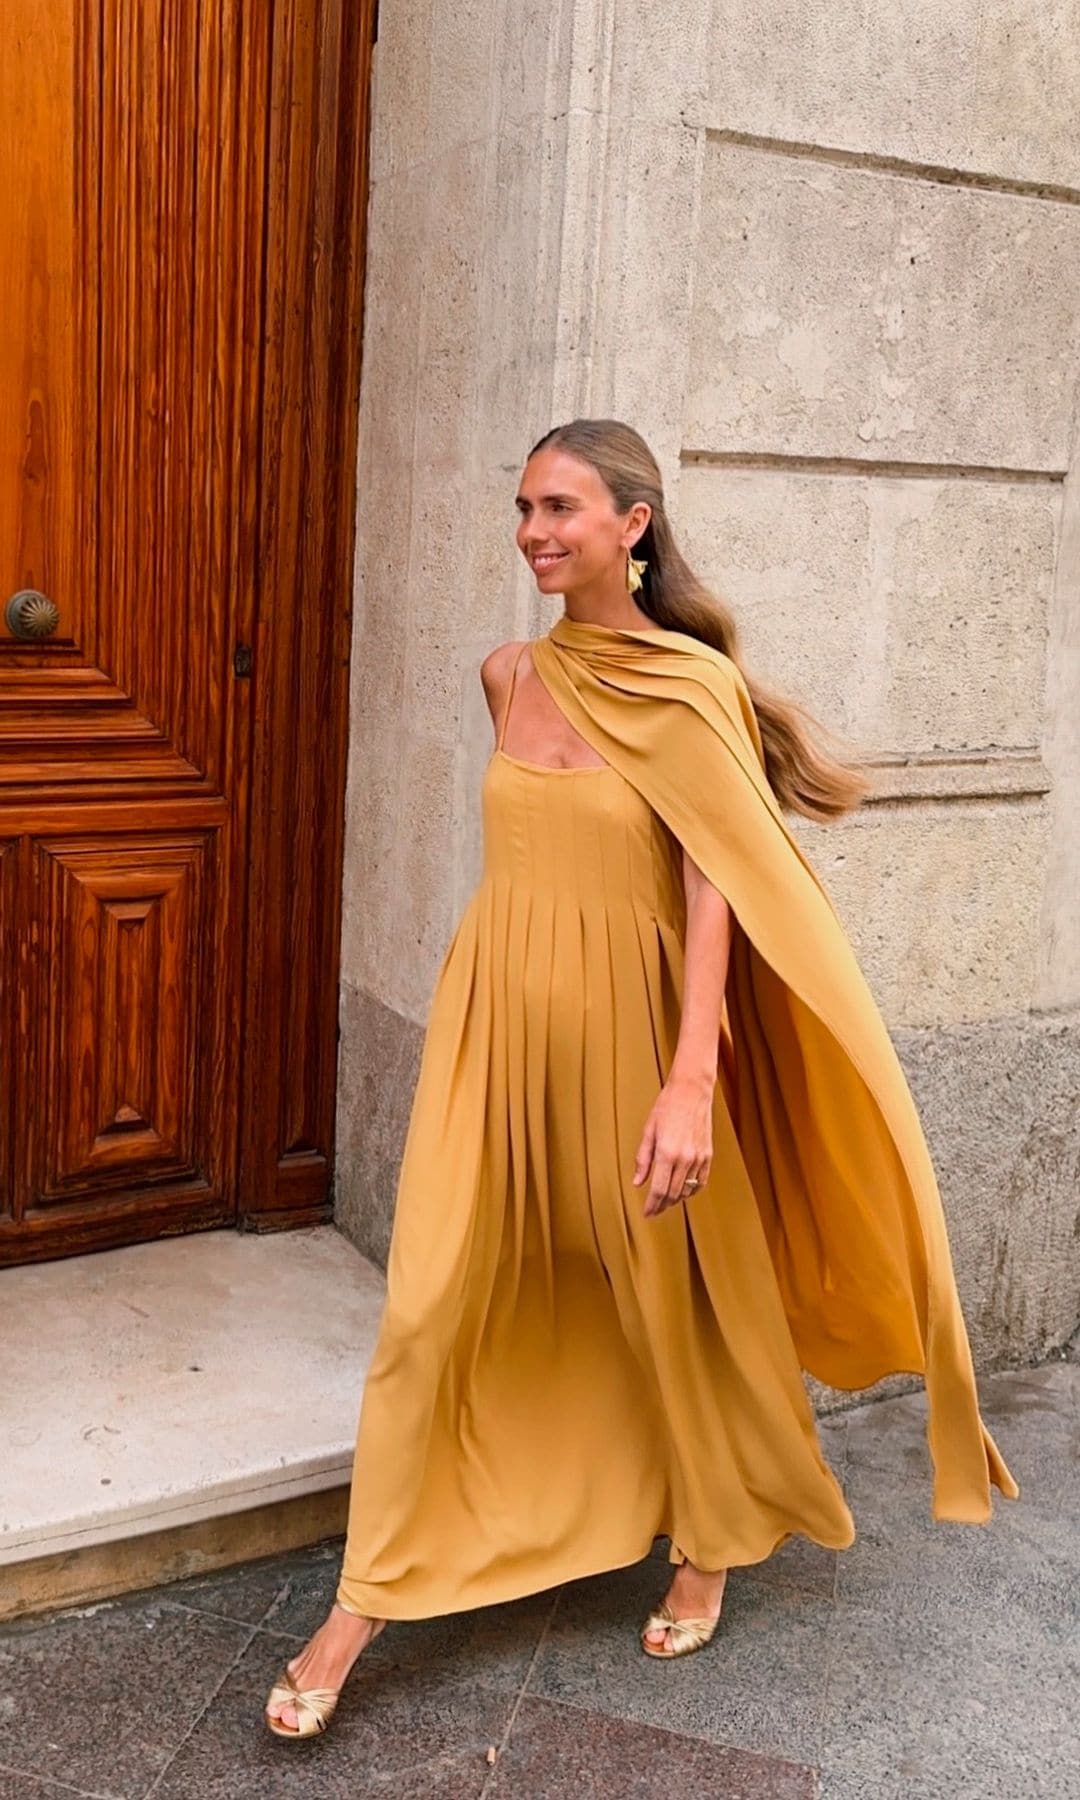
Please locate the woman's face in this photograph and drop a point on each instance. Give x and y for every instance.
(568, 529)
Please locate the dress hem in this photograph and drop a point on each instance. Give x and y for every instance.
(351, 1604)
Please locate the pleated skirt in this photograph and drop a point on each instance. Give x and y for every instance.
(558, 1379)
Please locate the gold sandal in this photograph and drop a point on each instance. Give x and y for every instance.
(685, 1635)
(314, 1707)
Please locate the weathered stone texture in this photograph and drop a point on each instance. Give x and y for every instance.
(984, 86)
(1001, 1107)
(909, 613)
(847, 312)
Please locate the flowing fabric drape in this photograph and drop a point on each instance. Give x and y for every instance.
(826, 1121)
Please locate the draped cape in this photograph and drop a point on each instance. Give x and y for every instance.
(823, 1114)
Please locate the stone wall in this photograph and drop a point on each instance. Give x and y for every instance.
(826, 258)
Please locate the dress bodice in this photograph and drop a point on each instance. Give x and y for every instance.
(583, 832)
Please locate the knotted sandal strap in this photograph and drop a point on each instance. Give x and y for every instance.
(313, 1706)
(685, 1635)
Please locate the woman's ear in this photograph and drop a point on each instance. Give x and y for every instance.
(638, 519)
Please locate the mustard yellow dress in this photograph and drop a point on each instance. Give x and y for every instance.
(558, 1379)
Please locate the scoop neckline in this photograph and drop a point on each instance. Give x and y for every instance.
(552, 768)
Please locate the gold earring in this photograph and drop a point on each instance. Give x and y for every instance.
(634, 571)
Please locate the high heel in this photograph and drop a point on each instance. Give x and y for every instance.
(314, 1707)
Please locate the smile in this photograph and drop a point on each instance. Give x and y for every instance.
(548, 560)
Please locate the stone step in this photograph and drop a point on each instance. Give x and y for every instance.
(177, 1406)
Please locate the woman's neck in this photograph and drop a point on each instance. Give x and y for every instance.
(615, 610)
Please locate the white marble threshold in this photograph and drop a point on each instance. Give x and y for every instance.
(169, 1383)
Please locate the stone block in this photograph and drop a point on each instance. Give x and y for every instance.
(653, 62)
(519, 300)
(393, 294)
(644, 316)
(534, 54)
(910, 614)
(999, 1104)
(941, 903)
(450, 275)
(993, 89)
(848, 313)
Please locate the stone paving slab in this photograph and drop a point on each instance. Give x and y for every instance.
(576, 1750)
(756, 1686)
(926, 1662)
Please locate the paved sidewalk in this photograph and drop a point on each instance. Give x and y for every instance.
(926, 1661)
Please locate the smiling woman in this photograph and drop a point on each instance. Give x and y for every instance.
(661, 1155)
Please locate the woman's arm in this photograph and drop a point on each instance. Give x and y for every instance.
(677, 1139)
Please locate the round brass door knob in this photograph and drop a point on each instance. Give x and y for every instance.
(31, 615)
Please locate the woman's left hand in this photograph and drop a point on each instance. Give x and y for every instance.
(676, 1143)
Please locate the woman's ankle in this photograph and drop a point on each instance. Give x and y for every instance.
(354, 1612)
(689, 1581)
(697, 1574)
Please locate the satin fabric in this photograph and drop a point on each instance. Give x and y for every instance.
(557, 1378)
(827, 1126)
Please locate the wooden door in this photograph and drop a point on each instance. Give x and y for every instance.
(181, 211)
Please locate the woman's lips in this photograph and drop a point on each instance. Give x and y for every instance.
(548, 561)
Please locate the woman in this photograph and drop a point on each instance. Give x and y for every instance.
(661, 1154)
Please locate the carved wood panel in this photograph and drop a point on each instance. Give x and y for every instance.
(123, 980)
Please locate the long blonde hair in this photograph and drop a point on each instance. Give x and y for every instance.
(804, 776)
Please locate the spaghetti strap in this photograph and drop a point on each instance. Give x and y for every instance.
(509, 697)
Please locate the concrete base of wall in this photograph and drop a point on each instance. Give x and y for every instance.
(380, 1061)
(999, 1104)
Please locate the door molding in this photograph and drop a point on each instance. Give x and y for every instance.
(317, 180)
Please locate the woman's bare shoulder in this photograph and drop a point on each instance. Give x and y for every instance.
(496, 666)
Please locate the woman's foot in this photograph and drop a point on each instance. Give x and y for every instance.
(326, 1659)
(694, 1594)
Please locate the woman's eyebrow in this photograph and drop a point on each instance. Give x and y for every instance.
(546, 499)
